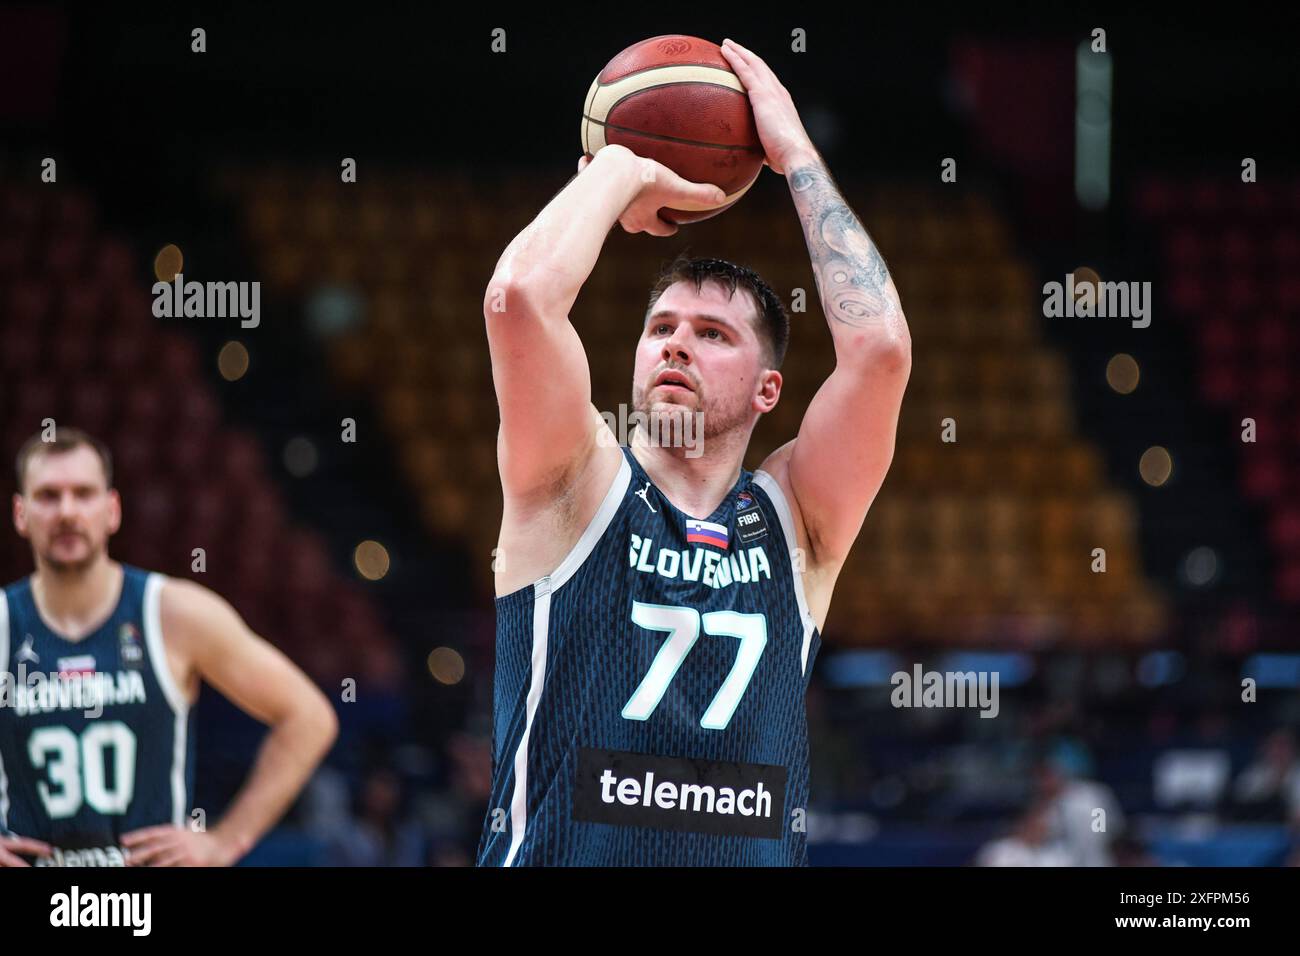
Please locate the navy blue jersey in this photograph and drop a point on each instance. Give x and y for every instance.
(649, 695)
(95, 737)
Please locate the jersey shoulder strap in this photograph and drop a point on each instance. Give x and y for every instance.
(591, 535)
(770, 489)
(151, 618)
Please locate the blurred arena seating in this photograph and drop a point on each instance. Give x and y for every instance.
(990, 537)
(80, 345)
(1231, 260)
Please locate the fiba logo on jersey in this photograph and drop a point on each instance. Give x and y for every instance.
(130, 647)
(750, 522)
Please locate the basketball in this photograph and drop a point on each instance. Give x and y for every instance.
(675, 99)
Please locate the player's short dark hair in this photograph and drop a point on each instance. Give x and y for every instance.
(772, 322)
(65, 440)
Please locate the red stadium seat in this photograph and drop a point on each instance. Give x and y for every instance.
(76, 309)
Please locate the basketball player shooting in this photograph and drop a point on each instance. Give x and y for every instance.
(103, 663)
(658, 610)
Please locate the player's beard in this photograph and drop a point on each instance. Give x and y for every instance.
(62, 567)
(716, 418)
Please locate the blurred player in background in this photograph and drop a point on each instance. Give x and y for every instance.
(102, 664)
(659, 607)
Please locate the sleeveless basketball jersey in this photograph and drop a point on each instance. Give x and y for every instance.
(95, 737)
(649, 693)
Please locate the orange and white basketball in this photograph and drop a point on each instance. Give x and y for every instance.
(675, 99)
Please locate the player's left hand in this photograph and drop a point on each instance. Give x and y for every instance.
(176, 846)
(779, 127)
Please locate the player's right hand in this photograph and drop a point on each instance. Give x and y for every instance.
(12, 845)
(661, 188)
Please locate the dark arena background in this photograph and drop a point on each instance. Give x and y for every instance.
(1103, 512)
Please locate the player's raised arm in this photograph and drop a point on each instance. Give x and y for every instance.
(846, 439)
(838, 462)
(539, 368)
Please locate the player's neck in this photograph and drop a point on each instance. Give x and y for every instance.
(75, 602)
(694, 483)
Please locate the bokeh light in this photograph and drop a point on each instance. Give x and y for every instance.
(300, 456)
(371, 560)
(1201, 566)
(446, 665)
(168, 262)
(1122, 373)
(1156, 466)
(232, 361)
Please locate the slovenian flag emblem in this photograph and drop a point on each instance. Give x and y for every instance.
(706, 532)
(80, 664)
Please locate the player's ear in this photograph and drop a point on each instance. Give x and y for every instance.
(769, 390)
(20, 515)
(114, 511)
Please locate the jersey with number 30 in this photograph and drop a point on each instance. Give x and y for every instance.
(95, 738)
(649, 693)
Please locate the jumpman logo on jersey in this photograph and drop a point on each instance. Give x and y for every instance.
(643, 494)
(25, 653)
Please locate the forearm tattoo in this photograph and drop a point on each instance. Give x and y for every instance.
(851, 275)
